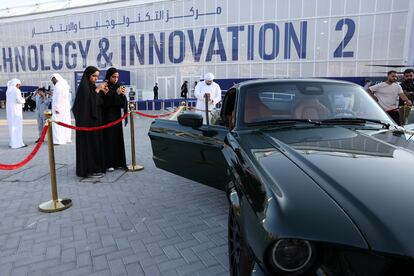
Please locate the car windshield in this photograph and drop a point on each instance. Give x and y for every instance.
(315, 101)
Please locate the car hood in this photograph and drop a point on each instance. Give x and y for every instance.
(368, 174)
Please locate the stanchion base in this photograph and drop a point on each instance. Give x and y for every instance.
(135, 168)
(50, 206)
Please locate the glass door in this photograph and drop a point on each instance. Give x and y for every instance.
(167, 87)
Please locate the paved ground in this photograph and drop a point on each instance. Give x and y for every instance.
(143, 223)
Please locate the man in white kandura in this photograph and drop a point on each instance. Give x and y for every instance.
(61, 110)
(14, 108)
(208, 86)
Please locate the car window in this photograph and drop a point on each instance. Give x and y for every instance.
(307, 100)
(227, 112)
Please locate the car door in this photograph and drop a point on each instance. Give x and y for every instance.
(195, 154)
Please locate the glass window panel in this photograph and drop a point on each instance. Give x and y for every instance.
(338, 8)
(268, 70)
(397, 39)
(321, 69)
(400, 5)
(257, 10)
(281, 70)
(366, 26)
(307, 70)
(352, 6)
(294, 70)
(321, 45)
(383, 5)
(309, 8)
(295, 9)
(282, 10)
(367, 6)
(381, 36)
(324, 7)
(233, 12)
(270, 10)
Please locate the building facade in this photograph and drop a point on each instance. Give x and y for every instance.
(171, 41)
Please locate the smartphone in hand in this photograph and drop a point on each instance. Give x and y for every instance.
(103, 87)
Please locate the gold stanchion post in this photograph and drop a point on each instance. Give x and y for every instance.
(207, 100)
(184, 106)
(134, 166)
(56, 204)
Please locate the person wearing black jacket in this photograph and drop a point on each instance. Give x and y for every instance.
(155, 89)
(87, 109)
(408, 87)
(184, 90)
(30, 104)
(114, 101)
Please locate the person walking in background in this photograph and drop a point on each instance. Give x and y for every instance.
(184, 90)
(210, 88)
(14, 110)
(42, 104)
(367, 84)
(60, 110)
(193, 92)
(386, 94)
(408, 87)
(87, 109)
(155, 89)
(113, 137)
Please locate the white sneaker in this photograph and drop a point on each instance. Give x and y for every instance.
(110, 169)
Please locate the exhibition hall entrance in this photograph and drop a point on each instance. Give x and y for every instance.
(167, 88)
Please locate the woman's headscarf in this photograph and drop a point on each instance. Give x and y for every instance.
(108, 76)
(83, 93)
(115, 86)
(89, 71)
(60, 80)
(110, 72)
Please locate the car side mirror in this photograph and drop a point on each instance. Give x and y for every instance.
(190, 119)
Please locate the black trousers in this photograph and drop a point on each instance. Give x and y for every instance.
(395, 115)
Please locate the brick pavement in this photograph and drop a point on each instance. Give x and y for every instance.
(123, 224)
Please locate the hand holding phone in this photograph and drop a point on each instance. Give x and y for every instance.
(103, 87)
(121, 90)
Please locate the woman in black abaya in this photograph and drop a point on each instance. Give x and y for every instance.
(87, 110)
(114, 101)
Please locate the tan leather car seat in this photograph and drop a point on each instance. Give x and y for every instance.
(311, 109)
(255, 110)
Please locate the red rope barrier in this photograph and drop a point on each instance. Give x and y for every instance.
(156, 116)
(29, 157)
(195, 109)
(93, 128)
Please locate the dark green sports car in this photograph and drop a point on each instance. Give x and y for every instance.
(317, 175)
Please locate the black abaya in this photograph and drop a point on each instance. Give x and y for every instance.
(113, 136)
(87, 110)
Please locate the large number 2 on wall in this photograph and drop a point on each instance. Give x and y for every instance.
(339, 52)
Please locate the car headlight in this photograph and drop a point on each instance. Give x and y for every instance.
(292, 256)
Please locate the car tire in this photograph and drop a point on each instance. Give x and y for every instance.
(240, 259)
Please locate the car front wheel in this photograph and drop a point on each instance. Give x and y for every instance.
(240, 260)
